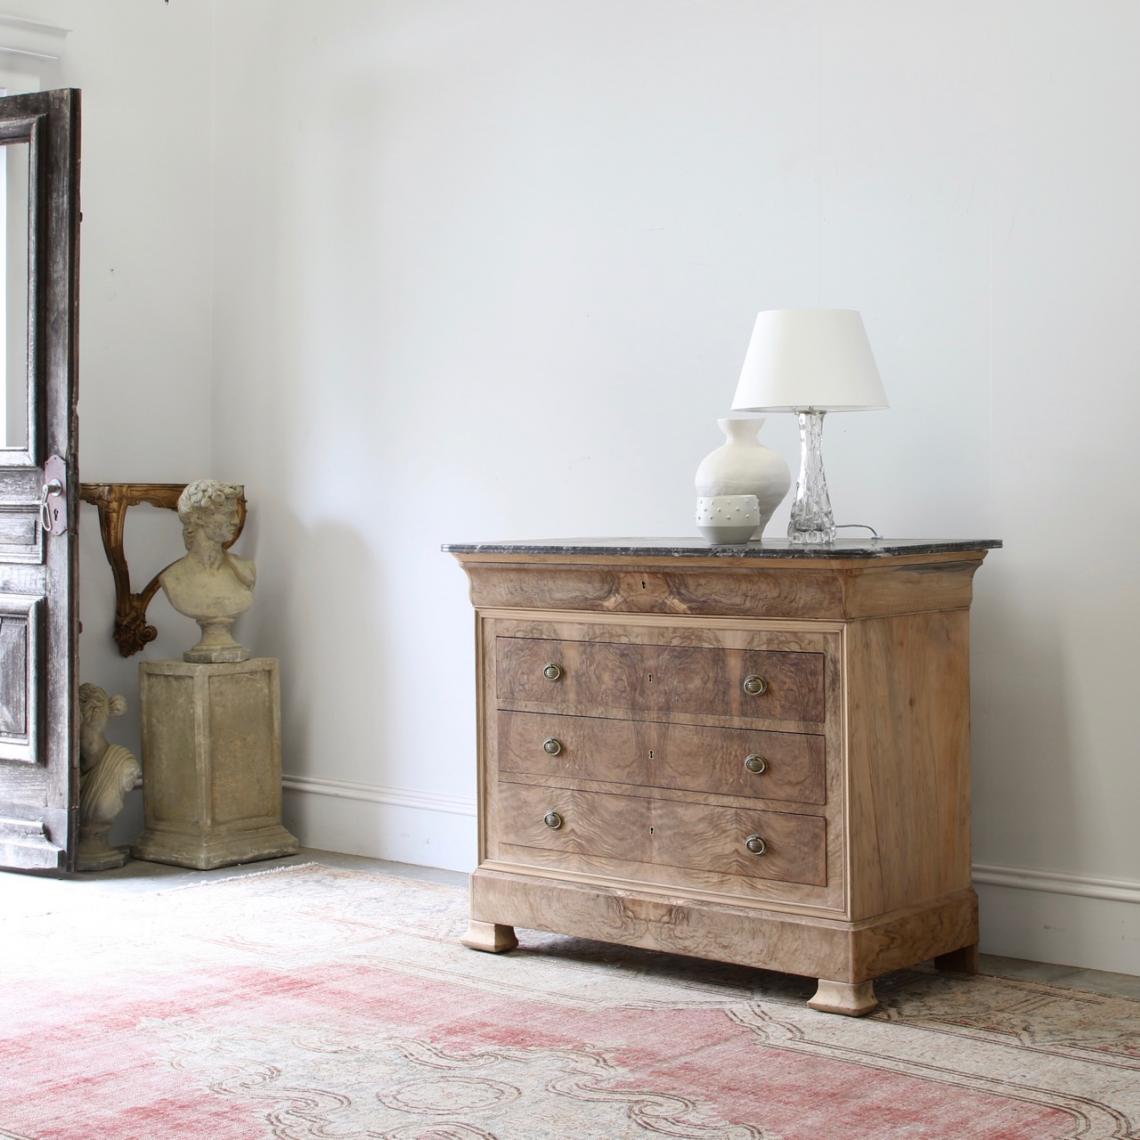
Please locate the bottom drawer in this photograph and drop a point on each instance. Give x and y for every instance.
(765, 845)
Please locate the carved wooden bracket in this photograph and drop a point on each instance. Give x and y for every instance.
(132, 633)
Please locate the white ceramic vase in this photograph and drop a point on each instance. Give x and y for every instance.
(742, 465)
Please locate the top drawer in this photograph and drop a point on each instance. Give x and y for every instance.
(586, 677)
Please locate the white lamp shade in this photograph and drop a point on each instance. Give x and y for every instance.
(801, 359)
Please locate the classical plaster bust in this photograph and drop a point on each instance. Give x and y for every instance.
(107, 772)
(210, 585)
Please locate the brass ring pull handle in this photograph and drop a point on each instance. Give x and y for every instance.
(552, 820)
(754, 685)
(552, 672)
(756, 764)
(552, 746)
(756, 845)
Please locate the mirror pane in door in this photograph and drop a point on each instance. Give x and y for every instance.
(14, 294)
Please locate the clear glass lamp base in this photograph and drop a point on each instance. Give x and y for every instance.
(811, 519)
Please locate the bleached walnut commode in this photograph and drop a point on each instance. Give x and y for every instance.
(757, 754)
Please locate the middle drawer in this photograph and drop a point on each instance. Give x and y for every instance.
(787, 766)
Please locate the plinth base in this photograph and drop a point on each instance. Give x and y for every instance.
(105, 859)
(204, 853)
(211, 755)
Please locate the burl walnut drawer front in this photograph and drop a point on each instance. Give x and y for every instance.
(585, 676)
(777, 846)
(726, 761)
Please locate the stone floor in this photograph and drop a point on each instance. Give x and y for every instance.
(30, 894)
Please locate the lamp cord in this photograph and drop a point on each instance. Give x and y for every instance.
(875, 535)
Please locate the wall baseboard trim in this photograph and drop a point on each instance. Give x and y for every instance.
(1057, 882)
(402, 825)
(1069, 920)
(1044, 916)
(376, 794)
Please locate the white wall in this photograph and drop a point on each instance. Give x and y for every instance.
(145, 292)
(488, 270)
(1057, 778)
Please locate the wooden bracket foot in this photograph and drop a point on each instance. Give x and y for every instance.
(851, 998)
(490, 936)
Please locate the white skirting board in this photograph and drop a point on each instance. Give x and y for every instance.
(1065, 919)
(399, 824)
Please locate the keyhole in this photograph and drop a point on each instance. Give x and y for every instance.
(649, 676)
(651, 831)
(643, 583)
(651, 754)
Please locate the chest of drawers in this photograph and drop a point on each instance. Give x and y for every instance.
(760, 757)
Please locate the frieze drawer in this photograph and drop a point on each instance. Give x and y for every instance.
(585, 676)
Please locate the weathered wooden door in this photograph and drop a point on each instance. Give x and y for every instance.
(39, 227)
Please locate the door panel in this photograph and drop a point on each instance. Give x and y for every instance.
(39, 220)
(20, 618)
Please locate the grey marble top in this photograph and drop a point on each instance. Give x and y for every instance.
(696, 547)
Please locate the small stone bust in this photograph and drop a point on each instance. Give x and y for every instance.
(107, 772)
(209, 584)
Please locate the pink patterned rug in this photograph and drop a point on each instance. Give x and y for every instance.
(330, 1004)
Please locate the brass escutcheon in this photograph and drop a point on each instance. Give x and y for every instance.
(755, 764)
(755, 685)
(756, 845)
(552, 746)
(552, 672)
(552, 820)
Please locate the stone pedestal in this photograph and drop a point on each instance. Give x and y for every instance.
(211, 754)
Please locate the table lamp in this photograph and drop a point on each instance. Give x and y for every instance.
(809, 361)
